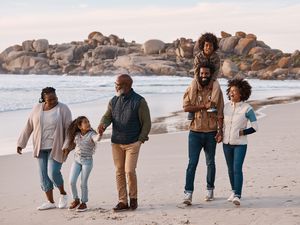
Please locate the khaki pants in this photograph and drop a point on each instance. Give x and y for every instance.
(125, 159)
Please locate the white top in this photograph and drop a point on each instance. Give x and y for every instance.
(49, 122)
(236, 118)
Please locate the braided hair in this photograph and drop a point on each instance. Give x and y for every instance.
(46, 90)
(73, 128)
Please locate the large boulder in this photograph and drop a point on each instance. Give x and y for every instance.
(244, 66)
(258, 65)
(240, 34)
(105, 52)
(225, 34)
(229, 68)
(257, 50)
(41, 67)
(28, 45)
(262, 44)
(229, 44)
(16, 65)
(7, 51)
(244, 45)
(295, 58)
(186, 47)
(284, 62)
(95, 35)
(64, 53)
(79, 51)
(160, 68)
(251, 36)
(153, 46)
(41, 45)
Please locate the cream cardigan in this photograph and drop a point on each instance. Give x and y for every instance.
(34, 126)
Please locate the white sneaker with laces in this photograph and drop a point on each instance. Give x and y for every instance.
(209, 196)
(46, 205)
(63, 201)
(231, 197)
(236, 201)
(187, 199)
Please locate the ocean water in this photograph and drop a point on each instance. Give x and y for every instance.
(89, 96)
(19, 92)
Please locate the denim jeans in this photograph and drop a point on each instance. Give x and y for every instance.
(83, 166)
(235, 155)
(197, 141)
(49, 171)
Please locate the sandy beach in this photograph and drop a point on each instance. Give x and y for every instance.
(270, 194)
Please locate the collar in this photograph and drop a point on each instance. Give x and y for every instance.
(128, 95)
(236, 104)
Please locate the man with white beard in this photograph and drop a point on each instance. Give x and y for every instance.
(130, 117)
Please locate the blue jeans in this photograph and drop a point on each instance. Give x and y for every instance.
(49, 170)
(197, 141)
(83, 166)
(235, 155)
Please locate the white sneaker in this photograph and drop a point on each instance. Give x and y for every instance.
(187, 199)
(231, 197)
(209, 196)
(46, 205)
(236, 201)
(63, 201)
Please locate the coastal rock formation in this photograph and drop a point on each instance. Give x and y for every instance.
(242, 53)
(153, 46)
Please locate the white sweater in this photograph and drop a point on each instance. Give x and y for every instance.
(236, 117)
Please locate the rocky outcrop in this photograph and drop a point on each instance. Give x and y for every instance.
(241, 54)
(153, 46)
(229, 68)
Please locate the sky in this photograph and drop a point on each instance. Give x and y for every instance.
(60, 21)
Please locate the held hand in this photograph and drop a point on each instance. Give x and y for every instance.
(219, 136)
(19, 150)
(65, 153)
(101, 129)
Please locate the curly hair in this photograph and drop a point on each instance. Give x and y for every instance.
(46, 90)
(208, 65)
(243, 86)
(208, 37)
(73, 128)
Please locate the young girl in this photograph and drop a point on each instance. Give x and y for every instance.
(237, 114)
(83, 138)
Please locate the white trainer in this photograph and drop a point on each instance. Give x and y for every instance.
(63, 201)
(231, 197)
(209, 196)
(46, 205)
(187, 199)
(236, 201)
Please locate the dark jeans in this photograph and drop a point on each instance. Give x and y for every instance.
(235, 155)
(197, 141)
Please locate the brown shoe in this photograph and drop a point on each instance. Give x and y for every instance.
(121, 207)
(82, 208)
(133, 203)
(74, 204)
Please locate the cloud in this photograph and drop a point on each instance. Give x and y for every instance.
(277, 26)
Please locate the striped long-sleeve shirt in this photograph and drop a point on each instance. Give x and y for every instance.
(85, 144)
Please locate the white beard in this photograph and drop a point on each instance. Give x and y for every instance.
(120, 92)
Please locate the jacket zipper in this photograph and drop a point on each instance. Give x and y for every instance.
(231, 123)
